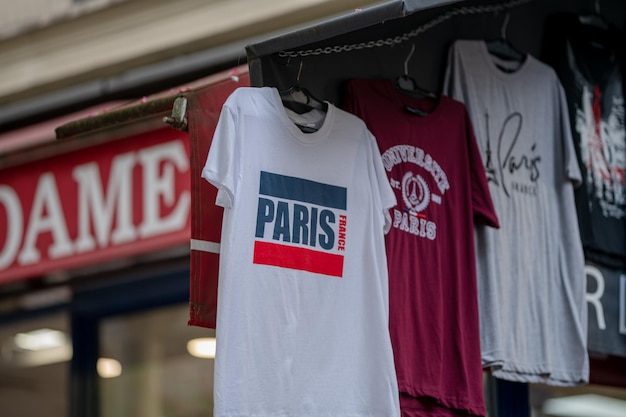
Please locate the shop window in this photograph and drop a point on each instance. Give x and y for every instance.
(152, 364)
(35, 359)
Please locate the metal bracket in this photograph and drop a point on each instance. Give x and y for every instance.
(178, 119)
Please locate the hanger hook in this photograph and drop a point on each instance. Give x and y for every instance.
(406, 61)
(505, 23)
(597, 6)
(299, 72)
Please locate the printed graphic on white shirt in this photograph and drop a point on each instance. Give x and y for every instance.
(301, 224)
(409, 215)
(603, 150)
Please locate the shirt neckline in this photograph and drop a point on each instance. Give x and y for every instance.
(319, 136)
(490, 62)
(405, 100)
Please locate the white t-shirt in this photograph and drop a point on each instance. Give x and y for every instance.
(302, 319)
(531, 280)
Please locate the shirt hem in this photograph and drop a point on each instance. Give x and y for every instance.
(459, 407)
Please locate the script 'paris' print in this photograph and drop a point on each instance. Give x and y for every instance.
(509, 164)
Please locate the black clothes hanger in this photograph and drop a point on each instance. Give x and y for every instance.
(595, 20)
(299, 99)
(409, 87)
(504, 49)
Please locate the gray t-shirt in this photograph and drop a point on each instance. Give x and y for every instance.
(531, 278)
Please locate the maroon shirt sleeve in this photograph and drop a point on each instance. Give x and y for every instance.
(484, 212)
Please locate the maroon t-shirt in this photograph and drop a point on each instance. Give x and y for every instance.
(434, 166)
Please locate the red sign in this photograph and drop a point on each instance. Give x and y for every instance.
(108, 201)
(205, 106)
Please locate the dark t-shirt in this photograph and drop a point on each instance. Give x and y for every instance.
(589, 62)
(435, 169)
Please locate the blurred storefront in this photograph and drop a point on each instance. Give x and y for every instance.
(98, 227)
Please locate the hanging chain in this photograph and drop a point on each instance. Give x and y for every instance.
(396, 40)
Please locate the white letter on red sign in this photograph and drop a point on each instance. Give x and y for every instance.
(46, 201)
(97, 208)
(173, 156)
(15, 222)
(594, 298)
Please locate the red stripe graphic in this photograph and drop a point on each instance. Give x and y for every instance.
(298, 258)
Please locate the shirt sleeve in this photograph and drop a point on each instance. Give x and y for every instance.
(570, 161)
(381, 182)
(482, 204)
(220, 164)
(449, 80)
(351, 104)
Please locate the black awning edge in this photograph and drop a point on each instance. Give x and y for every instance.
(343, 24)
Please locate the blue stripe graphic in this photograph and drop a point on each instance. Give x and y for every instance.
(292, 188)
